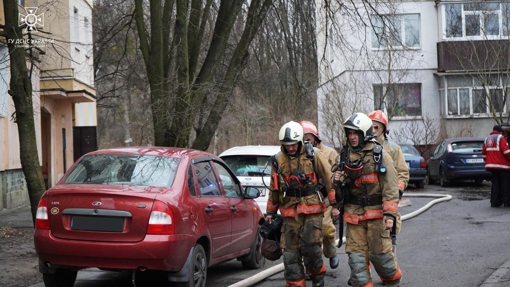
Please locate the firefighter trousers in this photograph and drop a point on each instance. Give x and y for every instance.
(328, 232)
(301, 241)
(368, 241)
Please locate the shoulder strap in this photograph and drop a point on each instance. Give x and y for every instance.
(378, 158)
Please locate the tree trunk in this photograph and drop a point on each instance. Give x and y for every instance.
(20, 89)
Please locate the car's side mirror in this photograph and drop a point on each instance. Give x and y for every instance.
(251, 192)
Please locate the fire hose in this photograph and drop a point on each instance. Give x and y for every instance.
(279, 268)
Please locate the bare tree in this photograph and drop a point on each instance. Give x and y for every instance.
(20, 89)
(368, 71)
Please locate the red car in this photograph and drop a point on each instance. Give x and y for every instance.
(166, 213)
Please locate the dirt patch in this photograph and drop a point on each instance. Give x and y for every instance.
(18, 260)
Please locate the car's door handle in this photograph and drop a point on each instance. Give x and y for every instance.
(233, 208)
(209, 209)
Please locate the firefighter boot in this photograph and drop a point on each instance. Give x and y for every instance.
(319, 283)
(334, 261)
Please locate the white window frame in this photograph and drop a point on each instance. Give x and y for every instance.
(385, 22)
(502, 34)
(469, 92)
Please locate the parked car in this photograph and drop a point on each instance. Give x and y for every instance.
(416, 164)
(457, 159)
(163, 213)
(250, 164)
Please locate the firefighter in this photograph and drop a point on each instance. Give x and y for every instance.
(311, 135)
(380, 131)
(294, 189)
(369, 180)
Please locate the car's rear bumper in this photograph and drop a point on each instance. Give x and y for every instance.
(468, 174)
(155, 252)
(417, 174)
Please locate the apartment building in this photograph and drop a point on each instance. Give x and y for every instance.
(63, 94)
(438, 68)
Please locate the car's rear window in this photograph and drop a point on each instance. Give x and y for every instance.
(124, 169)
(248, 165)
(409, 149)
(467, 146)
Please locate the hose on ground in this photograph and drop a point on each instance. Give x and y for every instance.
(279, 268)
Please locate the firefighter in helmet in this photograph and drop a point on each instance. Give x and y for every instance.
(311, 135)
(369, 180)
(294, 190)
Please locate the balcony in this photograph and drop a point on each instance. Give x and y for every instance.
(464, 56)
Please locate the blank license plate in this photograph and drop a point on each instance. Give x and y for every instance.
(96, 223)
(474, 160)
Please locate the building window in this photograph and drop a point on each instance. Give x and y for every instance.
(396, 31)
(76, 25)
(4, 81)
(86, 31)
(468, 95)
(481, 20)
(399, 100)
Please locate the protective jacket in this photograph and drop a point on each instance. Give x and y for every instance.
(398, 160)
(373, 194)
(496, 152)
(307, 199)
(329, 153)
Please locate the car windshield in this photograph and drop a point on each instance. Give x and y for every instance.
(248, 165)
(409, 149)
(467, 146)
(124, 169)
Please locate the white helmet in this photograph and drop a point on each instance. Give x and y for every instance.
(359, 122)
(291, 133)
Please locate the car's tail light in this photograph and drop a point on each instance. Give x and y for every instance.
(423, 164)
(161, 220)
(450, 149)
(41, 216)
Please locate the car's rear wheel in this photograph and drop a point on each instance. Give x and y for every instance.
(442, 180)
(255, 255)
(61, 278)
(197, 270)
(430, 180)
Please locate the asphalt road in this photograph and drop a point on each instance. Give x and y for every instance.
(457, 243)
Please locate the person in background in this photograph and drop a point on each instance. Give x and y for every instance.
(311, 135)
(497, 160)
(505, 127)
(380, 131)
(369, 179)
(295, 191)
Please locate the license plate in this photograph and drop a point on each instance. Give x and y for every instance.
(407, 164)
(474, 160)
(96, 223)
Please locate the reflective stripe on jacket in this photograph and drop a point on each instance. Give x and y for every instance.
(290, 206)
(496, 152)
(373, 184)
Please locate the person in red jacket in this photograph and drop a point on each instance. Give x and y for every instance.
(497, 161)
